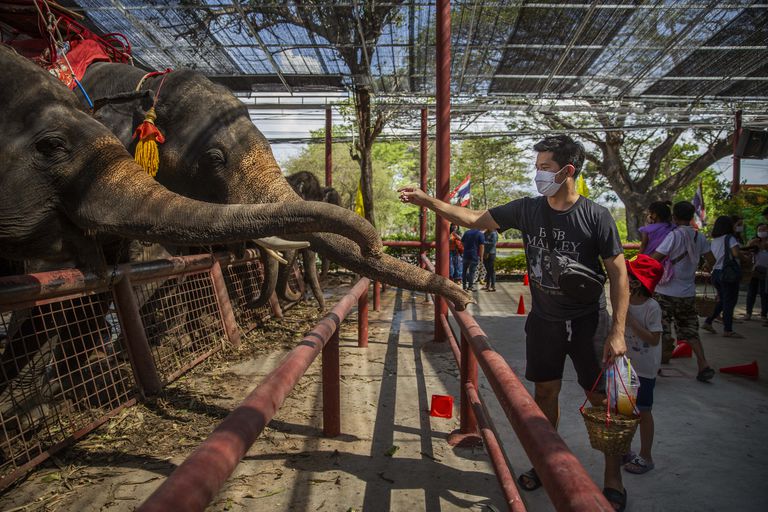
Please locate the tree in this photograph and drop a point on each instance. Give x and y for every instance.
(394, 164)
(496, 168)
(639, 166)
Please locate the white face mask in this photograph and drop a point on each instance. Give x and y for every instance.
(763, 234)
(739, 229)
(545, 182)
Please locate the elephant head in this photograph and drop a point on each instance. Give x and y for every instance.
(213, 152)
(67, 184)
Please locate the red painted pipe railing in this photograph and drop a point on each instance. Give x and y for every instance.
(501, 245)
(564, 478)
(196, 481)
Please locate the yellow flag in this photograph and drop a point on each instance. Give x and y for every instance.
(359, 208)
(581, 186)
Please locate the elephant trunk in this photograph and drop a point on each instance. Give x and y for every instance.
(146, 210)
(387, 269)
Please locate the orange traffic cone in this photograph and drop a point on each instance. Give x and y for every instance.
(525, 279)
(748, 370)
(441, 406)
(521, 306)
(682, 349)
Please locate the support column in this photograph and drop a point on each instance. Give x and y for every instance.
(468, 433)
(331, 387)
(736, 183)
(328, 148)
(225, 306)
(135, 337)
(423, 170)
(443, 147)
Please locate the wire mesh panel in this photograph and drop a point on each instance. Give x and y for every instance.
(244, 282)
(63, 371)
(182, 321)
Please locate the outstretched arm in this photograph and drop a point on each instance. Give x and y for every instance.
(477, 219)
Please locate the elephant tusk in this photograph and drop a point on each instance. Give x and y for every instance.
(276, 255)
(280, 244)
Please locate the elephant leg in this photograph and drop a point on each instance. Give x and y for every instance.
(310, 276)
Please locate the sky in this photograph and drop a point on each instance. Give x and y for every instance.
(299, 123)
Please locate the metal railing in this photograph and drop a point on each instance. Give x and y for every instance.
(193, 485)
(564, 478)
(78, 347)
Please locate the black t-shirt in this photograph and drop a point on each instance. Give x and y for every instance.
(585, 232)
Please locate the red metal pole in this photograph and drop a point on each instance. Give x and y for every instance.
(442, 146)
(377, 296)
(362, 319)
(496, 453)
(468, 432)
(736, 183)
(566, 481)
(331, 387)
(135, 338)
(192, 486)
(328, 148)
(225, 306)
(423, 171)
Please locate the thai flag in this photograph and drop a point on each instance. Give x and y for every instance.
(698, 204)
(461, 194)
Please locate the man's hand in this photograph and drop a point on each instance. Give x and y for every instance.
(413, 195)
(615, 346)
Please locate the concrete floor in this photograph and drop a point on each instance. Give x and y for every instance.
(711, 443)
(711, 439)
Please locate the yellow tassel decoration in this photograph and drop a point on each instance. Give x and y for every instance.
(147, 154)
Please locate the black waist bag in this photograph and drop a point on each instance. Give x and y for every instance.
(577, 281)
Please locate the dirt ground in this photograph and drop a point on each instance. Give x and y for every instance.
(291, 466)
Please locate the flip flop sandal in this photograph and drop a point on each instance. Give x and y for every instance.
(628, 457)
(638, 466)
(705, 375)
(529, 481)
(617, 499)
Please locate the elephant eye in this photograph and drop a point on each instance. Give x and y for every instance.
(213, 158)
(51, 146)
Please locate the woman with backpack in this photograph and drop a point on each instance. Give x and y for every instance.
(726, 275)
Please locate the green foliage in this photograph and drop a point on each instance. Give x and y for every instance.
(511, 264)
(749, 203)
(497, 170)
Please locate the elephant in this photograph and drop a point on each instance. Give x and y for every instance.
(213, 152)
(68, 186)
(307, 186)
(70, 193)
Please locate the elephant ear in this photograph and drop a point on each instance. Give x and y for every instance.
(122, 112)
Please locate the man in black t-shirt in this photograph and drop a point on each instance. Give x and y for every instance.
(559, 325)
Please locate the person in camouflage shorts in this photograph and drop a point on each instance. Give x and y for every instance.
(682, 249)
(680, 312)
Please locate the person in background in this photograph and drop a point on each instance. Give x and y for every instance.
(725, 247)
(659, 224)
(738, 228)
(473, 241)
(758, 284)
(680, 252)
(643, 336)
(455, 250)
(489, 259)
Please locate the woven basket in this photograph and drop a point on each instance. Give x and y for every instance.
(705, 306)
(612, 438)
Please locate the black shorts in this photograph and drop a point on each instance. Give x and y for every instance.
(547, 343)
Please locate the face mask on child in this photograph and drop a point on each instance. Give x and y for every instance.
(762, 234)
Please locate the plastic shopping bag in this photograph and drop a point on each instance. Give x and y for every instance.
(621, 385)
